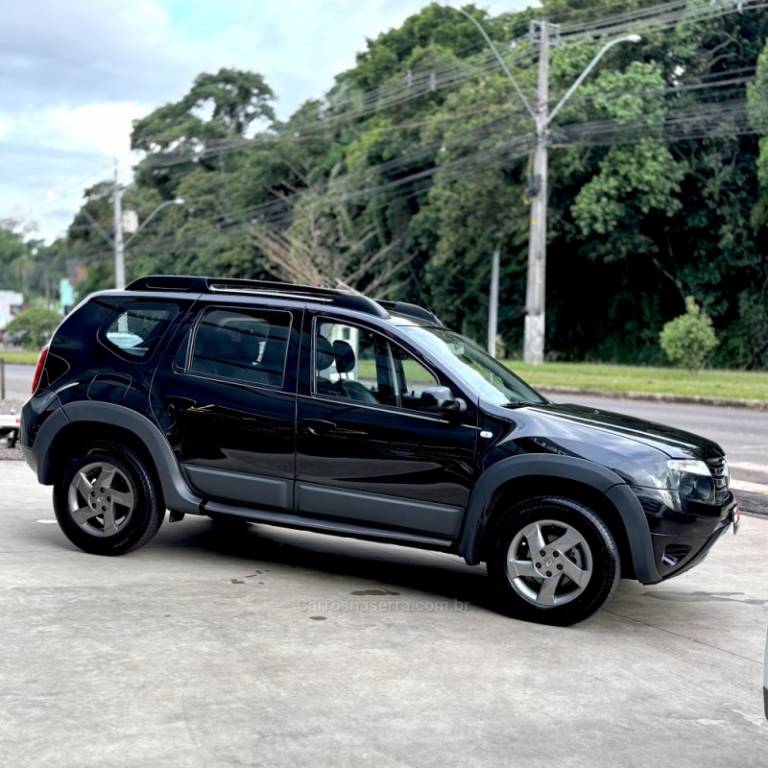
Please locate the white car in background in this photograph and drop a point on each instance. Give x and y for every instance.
(9, 428)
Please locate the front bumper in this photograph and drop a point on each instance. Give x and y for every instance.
(682, 539)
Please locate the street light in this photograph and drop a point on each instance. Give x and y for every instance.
(499, 57)
(120, 246)
(175, 201)
(592, 64)
(116, 241)
(533, 347)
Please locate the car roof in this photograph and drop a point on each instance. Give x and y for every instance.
(344, 298)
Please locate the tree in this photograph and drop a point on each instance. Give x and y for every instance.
(33, 327)
(202, 128)
(413, 168)
(689, 339)
(218, 105)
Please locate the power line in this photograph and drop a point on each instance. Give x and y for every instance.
(423, 82)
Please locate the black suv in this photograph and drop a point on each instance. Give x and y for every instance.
(328, 411)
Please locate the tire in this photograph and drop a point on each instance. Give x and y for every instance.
(110, 519)
(579, 571)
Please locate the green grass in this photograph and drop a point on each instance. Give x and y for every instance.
(622, 379)
(20, 356)
(616, 379)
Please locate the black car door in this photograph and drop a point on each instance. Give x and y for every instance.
(368, 452)
(225, 397)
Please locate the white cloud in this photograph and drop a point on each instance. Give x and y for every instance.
(73, 75)
(101, 127)
(52, 154)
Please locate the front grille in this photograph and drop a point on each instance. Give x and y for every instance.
(719, 469)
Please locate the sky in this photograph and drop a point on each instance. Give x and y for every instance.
(74, 74)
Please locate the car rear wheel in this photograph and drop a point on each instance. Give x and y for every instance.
(552, 560)
(106, 500)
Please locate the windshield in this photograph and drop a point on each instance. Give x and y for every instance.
(492, 381)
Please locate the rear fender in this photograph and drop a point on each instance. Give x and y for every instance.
(176, 492)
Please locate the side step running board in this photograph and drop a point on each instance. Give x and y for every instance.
(288, 520)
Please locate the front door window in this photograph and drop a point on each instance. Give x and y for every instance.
(361, 365)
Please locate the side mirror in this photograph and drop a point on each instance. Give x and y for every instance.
(442, 399)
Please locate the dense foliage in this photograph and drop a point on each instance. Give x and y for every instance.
(27, 265)
(403, 179)
(33, 327)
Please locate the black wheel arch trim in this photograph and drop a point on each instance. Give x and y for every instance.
(564, 468)
(177, 495)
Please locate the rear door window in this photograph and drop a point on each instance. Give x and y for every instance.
(241, 344)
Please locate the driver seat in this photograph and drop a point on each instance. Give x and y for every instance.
(345, 362)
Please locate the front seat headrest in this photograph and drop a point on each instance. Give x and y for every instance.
(323, 353)
(345, 356)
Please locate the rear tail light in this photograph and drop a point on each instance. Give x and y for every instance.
(40, 368)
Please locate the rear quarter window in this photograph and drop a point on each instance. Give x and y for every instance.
(134, 328)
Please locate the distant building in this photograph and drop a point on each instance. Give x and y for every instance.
(11, 303)
(76, 272)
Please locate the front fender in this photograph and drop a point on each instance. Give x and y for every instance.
(571, 468)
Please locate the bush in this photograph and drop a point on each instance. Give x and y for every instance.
(33, 327)
(688, 339)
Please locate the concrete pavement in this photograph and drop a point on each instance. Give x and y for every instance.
(281, 648)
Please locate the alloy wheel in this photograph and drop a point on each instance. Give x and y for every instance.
(100, 499)
(549, 563)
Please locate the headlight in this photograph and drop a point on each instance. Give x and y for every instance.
(692, 479)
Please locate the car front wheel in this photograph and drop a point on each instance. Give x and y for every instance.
(106, 500)
(552, 560)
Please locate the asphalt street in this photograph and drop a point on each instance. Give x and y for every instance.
(742, 433)
(278, 648)
(18, 380)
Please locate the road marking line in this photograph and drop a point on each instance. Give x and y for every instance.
(748, 487)
(47, 522)
(748, 466)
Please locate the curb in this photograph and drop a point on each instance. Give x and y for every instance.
(755, 405)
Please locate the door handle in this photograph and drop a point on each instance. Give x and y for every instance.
(318, 426)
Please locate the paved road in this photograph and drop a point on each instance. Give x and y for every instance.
(281, 648)
(18, 381)
(742, 433)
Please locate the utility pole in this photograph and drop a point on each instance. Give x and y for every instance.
(493, 306)
(117, 240)
(535, 304)
(535, 298)
(117, 214)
